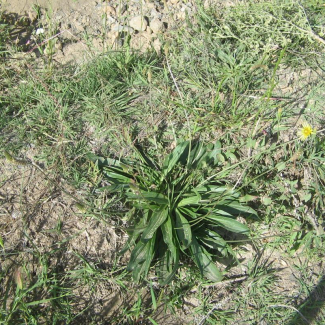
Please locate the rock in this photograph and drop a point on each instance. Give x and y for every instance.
(58, 45)
(149, 30)
(155, 14)
(156, 25)
(148, 35)
(109, 10)
(119, 28)
(174, 2)
(140, 42)
(78, 26)
(151, 5)
(181, 15)
(157, 46)
(139, 23)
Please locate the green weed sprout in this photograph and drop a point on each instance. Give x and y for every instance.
(176, 211)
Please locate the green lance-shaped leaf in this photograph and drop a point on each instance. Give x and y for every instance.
(150, 253)
(190, 212)
(167, 268)
(134, 233)
(137, 271)
(207, 189)
(214, 240)
(203, 261)
(189, 201)
(143, 267)
(102, 162)
(235, 208)
(197, 153)
(157, 219)
(168, 236)
(163, 265)
(170, 275)
(117, 175)
(229, 223)
(212, 157)
(138, 255)
(149, 196)
(9, 157)
(146, 159)
(183, 229)
(174, 157)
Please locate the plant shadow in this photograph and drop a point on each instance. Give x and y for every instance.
(312, 307)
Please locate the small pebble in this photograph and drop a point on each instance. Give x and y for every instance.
(120, 28)
(58, 45)
(157, 46)
(109, 10)
(156, 25)
(139, 23)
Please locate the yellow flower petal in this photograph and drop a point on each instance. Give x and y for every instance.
(306, 131)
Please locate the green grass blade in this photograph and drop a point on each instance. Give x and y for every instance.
(153, 297)
(152, 321)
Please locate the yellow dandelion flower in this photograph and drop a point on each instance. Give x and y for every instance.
(306, 131)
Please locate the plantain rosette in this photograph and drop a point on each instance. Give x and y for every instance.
(176, 211)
